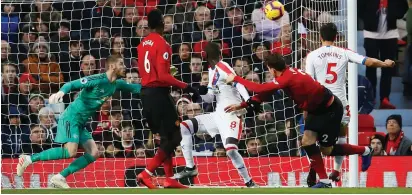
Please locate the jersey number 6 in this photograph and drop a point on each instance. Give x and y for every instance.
(333, 73)
(146, 62)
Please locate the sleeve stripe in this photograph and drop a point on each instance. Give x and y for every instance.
(363, 61)
(224, 68)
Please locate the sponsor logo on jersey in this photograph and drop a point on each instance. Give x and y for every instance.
(83, 81)
(166, 56)
(148, 42)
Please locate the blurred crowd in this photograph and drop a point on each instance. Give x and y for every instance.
(45, 45)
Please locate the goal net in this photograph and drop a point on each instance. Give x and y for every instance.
(48, 43)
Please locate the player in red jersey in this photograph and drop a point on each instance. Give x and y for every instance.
(324, 114)
(154, 57)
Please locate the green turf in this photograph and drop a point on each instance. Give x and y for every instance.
(213, 191)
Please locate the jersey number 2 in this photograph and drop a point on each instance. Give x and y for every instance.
(333, 73)
(146, 62)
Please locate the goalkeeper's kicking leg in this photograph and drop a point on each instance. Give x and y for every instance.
(68, 151)
(188, 128)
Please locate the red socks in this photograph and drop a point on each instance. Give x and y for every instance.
(316, 161)
(168, 167)
(347, 149)
(157, 160)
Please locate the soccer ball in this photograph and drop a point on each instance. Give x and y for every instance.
(274, 10)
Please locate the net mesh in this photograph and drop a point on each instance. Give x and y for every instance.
(48, 43)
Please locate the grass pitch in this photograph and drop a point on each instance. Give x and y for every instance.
(212, 191)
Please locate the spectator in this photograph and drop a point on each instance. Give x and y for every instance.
(205, 79)
(381, 38)
(183, 11)
(9, 78)
(11, 134)
(253, 77)
(124, 145)
(43, 68)
(28, 35)
(261, 51)
(140, 152)
(195, 74)
(210, 34)
(242, 66)
(88, 66)
(219, 151)
(48, 122)
(36, 102)
(253, 147)
(112, 16)
(100, 148)
(181, 105)
(60, 43)
(70, 62)
(101, 121)
(232, 24)
(7, 53)
(220, 8)
(133, 76)
(193, 109)
(171, 33)
(129, 21)
(366, 95)
(193, 31)
(27, 85)
(142, 29)
(178, 151)
(37, 141)
(377, 145)
(242, 46)
(9, 23)
(119, 47)
(100, 43)
(48, 13)
(113, 131)
(96, 15)
(182, 60)
(396, 144)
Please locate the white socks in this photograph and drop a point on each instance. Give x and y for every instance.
(339, 159)
(239, 164)
(187, 142)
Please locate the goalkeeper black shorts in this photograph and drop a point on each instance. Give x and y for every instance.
(160, 111)
(327, 123)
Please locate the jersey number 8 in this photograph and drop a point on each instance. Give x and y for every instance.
(146, 62)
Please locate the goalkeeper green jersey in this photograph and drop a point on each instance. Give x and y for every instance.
(96, 89)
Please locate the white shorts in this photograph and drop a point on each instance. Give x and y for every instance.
(346, 115)
(225, 124)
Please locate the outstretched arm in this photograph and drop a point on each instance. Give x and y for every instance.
(258, 88)
(132, 88)
(85, 82)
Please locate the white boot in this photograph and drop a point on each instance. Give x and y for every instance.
(24, 162)
(58, 181)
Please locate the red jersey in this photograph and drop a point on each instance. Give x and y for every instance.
(154, 57)
(307, 93)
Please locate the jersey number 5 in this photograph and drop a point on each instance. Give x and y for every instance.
(146, 62)
(333, 73)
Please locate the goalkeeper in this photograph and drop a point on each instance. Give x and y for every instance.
(96, 89)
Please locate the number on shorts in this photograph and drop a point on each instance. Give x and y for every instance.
(146, 62)
(233, 124)
(324, 138)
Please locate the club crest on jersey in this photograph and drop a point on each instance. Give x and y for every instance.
(83, 81)
(166, 56)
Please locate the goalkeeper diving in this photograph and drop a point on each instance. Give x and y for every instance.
(71, 132)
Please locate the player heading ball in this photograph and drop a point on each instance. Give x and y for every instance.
(324, 110)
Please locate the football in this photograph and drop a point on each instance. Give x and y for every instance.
(274, 10)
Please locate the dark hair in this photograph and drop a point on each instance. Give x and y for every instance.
(276, 61)
(328, 32)
(212, 51)
(155, 19)
(133, 70)
(8, 63)
(116, 110)
(74, 42)
(127, 124)
(208, 24)
(380, 137)
(244, 59)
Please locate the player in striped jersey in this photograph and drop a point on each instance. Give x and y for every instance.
(228, 125)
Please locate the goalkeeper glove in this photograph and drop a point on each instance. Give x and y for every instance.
(56, 98)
